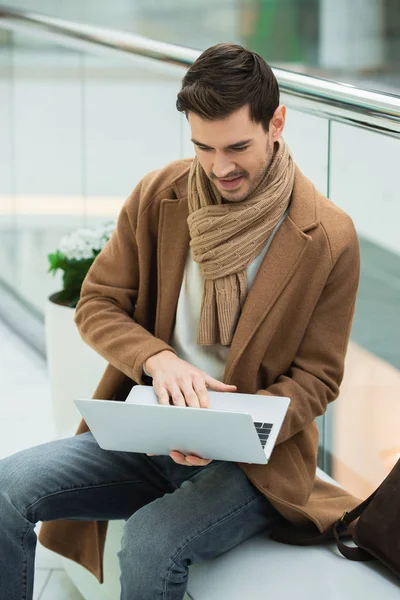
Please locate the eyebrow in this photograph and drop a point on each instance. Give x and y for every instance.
(230, 147)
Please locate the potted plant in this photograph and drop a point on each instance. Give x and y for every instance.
(74, 256)
(74, 368)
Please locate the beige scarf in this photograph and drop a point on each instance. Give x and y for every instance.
(226, 238)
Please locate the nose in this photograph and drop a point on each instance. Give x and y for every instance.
(222, 166)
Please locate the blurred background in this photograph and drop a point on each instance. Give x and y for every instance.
(80, 127)
(355, 41)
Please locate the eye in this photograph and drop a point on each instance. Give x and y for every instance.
(240, 149)
(203, 148)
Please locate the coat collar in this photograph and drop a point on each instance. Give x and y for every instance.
(303, 207)
(275, 271)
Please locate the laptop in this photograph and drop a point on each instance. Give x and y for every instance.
(236, 427)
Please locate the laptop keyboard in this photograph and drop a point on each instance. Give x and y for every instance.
(263, 430)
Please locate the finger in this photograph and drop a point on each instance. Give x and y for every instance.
(190, 395)
(189, 461)
(162, 394)
(199, 386)
(176, 395)
(218, 386)
(196, 461)
(179, 458)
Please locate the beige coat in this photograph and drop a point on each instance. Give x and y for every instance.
(291, 338)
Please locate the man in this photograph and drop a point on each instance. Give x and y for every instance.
(228, 272)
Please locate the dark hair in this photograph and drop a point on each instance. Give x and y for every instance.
(226, 77)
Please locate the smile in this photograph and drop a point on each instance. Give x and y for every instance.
(231, 184)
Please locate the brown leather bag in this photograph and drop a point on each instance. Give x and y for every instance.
(377, 533)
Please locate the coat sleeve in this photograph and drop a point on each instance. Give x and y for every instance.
(108, 297)
(316, 372)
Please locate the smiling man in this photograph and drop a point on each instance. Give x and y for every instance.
(226, 272)
(236, 177)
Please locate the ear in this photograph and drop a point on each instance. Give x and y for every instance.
(277, 123)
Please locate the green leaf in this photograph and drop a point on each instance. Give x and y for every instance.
(57, 261)
(74, 274)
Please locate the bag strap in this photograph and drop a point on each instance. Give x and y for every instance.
(340, 527)
(288, 535)
(302, 538)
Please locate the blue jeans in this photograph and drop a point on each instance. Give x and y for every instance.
(175, 515)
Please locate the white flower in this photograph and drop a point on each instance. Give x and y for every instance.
(84, 243)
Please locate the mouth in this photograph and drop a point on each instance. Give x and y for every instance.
(231, 184)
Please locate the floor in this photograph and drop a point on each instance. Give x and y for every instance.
(27, 421)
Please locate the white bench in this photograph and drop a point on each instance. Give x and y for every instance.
(261, 568)
(258, 568)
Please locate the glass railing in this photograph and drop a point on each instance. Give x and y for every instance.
(356, 42)
(85, 112)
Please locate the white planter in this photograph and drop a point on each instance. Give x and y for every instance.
(74, 368)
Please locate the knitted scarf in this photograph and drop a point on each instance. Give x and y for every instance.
(226, 238)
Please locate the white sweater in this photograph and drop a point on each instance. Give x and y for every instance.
(210, 359)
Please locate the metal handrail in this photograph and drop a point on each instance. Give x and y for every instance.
(326, 98)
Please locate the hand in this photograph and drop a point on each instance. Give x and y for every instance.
(184, 383)
(188, 461)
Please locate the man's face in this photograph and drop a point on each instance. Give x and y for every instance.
(235, 152)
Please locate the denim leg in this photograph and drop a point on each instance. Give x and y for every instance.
(210, 512)
(71, 478)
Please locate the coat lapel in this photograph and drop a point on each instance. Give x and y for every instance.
(277, 267)
(275, 271)
(173, 247)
